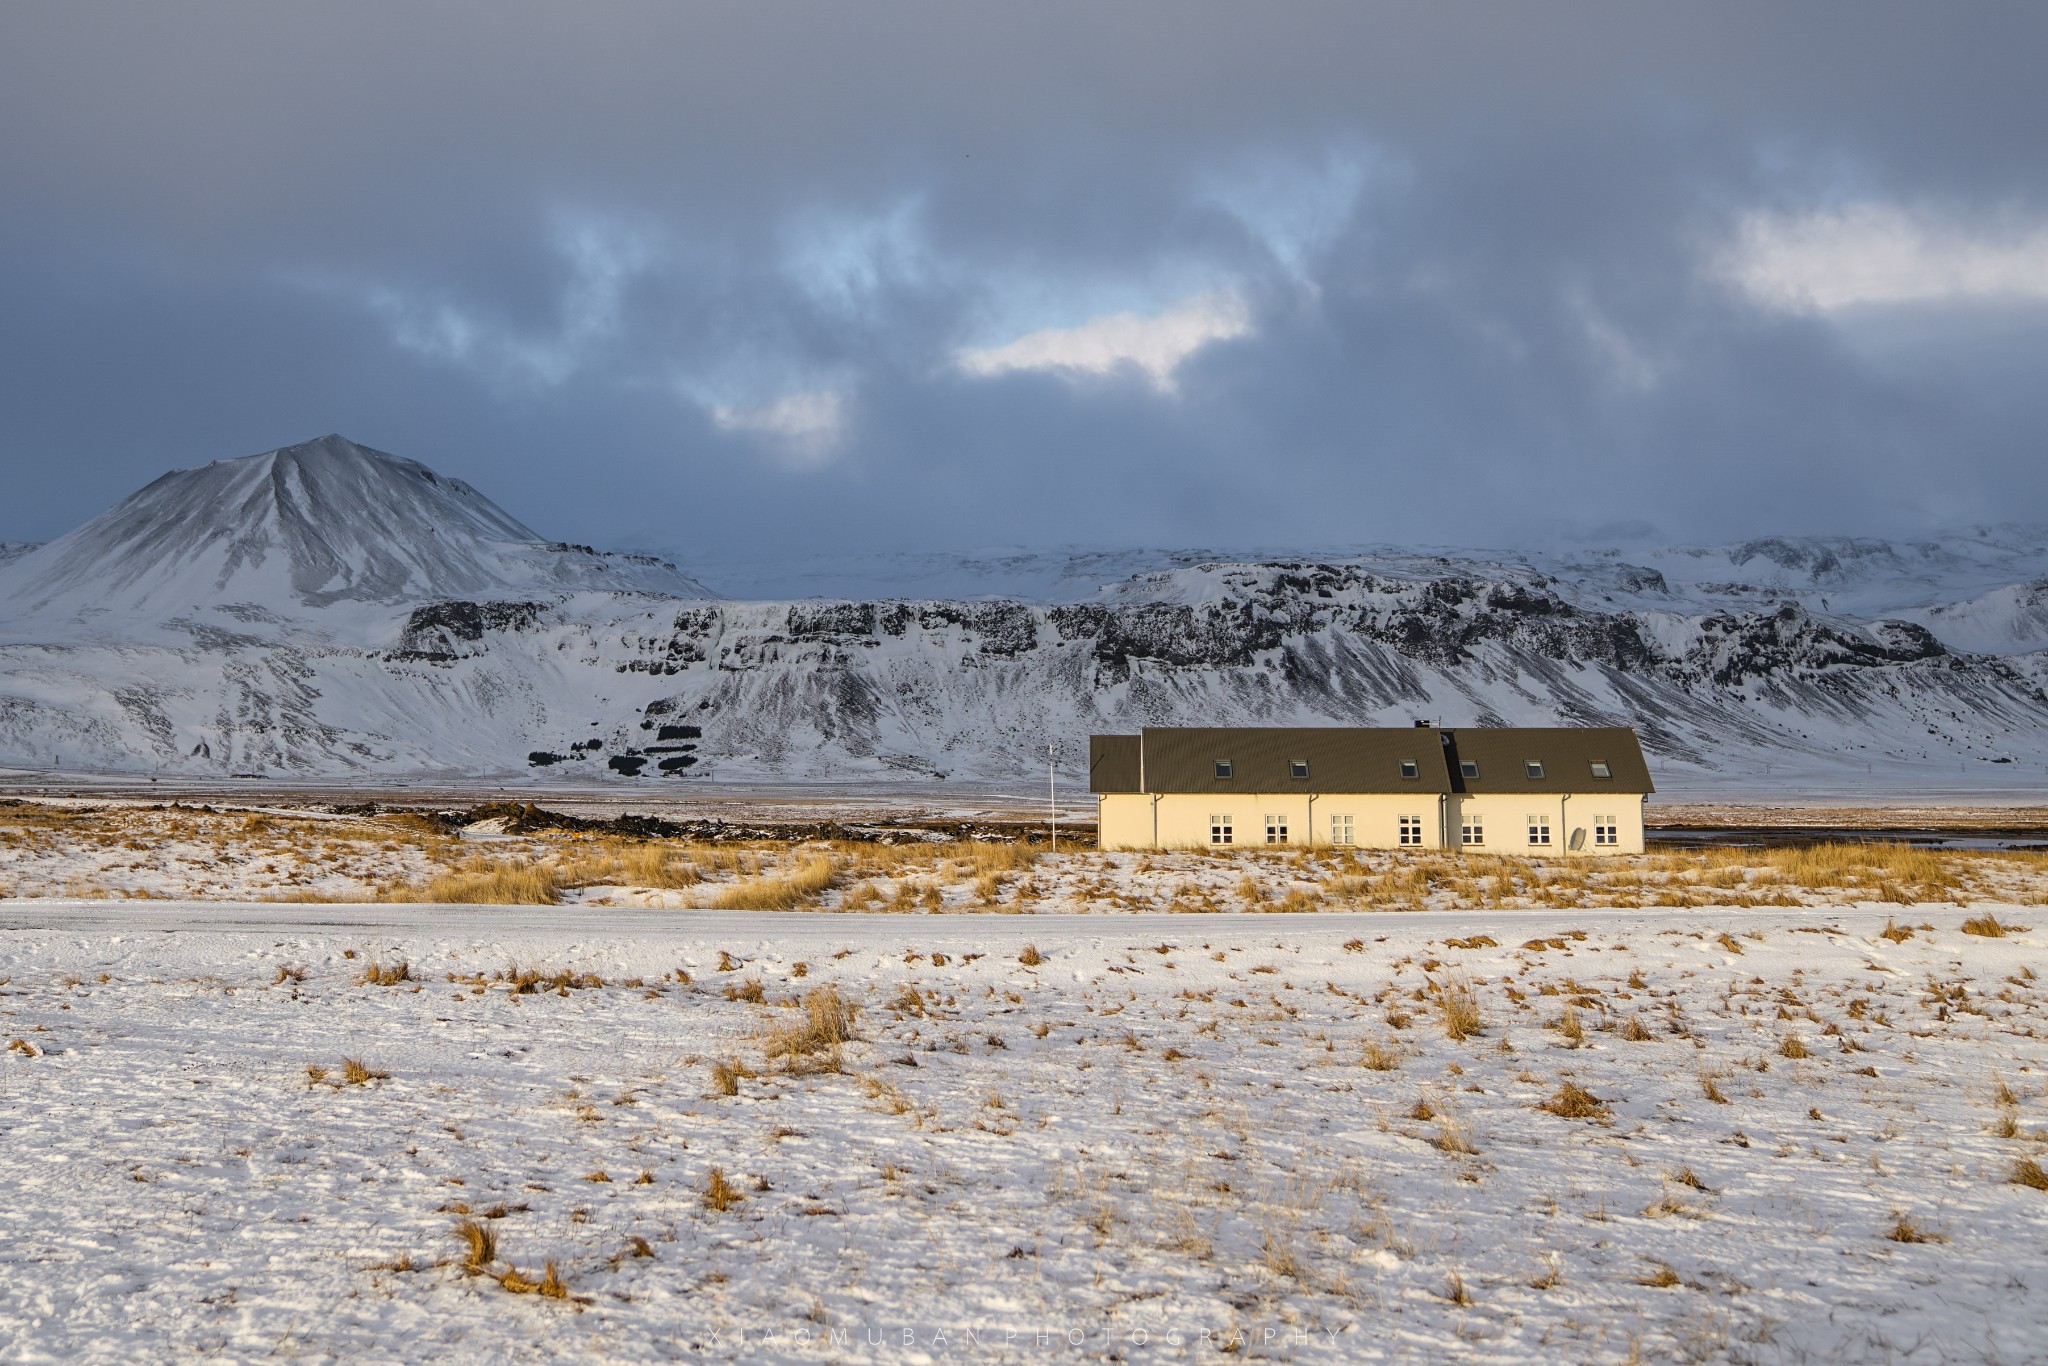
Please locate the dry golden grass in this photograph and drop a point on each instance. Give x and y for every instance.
(719, 1193)
(1573, 1101)
(657, 865)
(801, 886)
(727, 1074)
(355, 1072)
(1377, 1057)
(479, 1246)
(1897, 933)
(1030, 957)
(1570, 1026)
(814, 1042)
(1792, 1046)
(1458, 1007)
(480, 882)
(1988, 926)
(1904, 1230)
(1453, 1137)
(550, 1286)
(2027, 1172)
(377, 975)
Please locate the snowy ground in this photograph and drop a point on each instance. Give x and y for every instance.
(1161, 1142)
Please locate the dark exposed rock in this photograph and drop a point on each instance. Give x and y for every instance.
(438, 631)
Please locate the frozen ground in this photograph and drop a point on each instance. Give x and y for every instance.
(1161, 1142)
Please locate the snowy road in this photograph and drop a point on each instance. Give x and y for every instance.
(806, 927)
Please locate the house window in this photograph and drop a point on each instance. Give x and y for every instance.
(1223, 768)
(1539, 831)
(1473, 831)
(1276, 829)
(1601, 770)
(1411, 830)
(1469, 767)
(1532, 768)
(1409, 769)
(1298, 768)
(1219, 829)
(1605, 832)
(1340, 830)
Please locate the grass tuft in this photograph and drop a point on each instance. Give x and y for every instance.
(479, 1246)
(1573, 1101)
(719, 1193)
(726, 1076)
(1459, 1008)
(1988, 926)
(1904, 1230)
(827, 1023)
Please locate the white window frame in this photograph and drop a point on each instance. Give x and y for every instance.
(1606, 832)
(1472, 831)
(1539, 832)
(1411, 832)
(1220, 829)
(1342, 830)
(1276, 829)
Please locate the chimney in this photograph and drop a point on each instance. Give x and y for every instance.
(1421, 724)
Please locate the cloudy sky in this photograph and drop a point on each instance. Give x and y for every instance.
(763, 279)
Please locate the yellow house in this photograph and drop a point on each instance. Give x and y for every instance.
(1502, 790)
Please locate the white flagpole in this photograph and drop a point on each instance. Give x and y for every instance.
(1052, 799)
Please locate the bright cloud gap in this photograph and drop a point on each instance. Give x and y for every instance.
(1156, 345)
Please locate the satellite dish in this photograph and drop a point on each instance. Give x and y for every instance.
(1578, 839)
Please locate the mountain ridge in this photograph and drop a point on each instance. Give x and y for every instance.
(437, 636)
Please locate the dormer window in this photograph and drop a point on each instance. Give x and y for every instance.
(1410, 769)
(1223, 768)
(1601, 770)
(1469, 767)
(1298, 768)
(1534, 769)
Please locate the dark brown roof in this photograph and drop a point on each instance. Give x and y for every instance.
(1366, 759)
(1113, 763)
(1567, 754)
(1339, 759)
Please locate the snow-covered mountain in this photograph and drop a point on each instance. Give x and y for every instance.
(329, 610)
(281, 535)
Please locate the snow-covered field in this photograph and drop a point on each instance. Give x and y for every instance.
(1170, 1138)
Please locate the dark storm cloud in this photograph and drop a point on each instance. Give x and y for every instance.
(764, 277)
